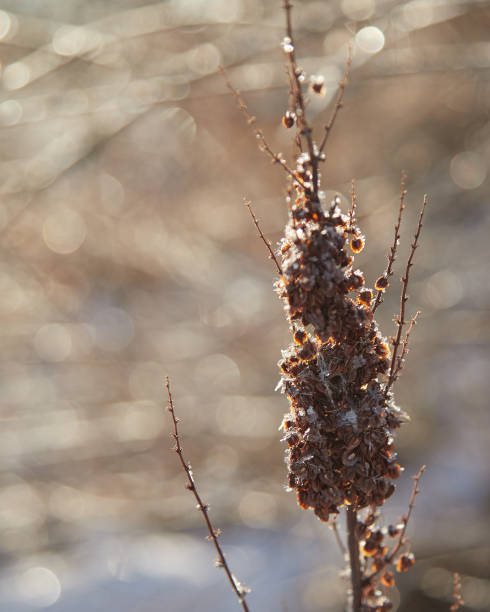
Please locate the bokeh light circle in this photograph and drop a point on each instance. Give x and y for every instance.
(370, 39)
(38, 586)
(64, 231)
(468, 169)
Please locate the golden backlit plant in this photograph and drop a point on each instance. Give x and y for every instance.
(339, 370)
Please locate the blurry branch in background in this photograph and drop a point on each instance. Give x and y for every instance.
(239, 589)
(457, 598)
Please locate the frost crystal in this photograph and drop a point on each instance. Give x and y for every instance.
(287, 45)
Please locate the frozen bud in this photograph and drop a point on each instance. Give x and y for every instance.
(287, 45)
(288, 119)
(394, 530)
(317, 84)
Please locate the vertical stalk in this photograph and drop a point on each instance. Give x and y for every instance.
(355, 564)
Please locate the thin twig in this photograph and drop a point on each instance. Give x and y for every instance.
(339, 101)
(355, 562)
(353, 205)
(392, 256)
(401, 538)
(341, 545)
(239, 589)
(400, 321)
(264, 239)
(259, 134)
(457, 598)
(401, 358)
(299, 101)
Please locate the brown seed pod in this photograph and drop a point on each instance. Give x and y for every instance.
(300, 336)
(394, 530)
(318, 85)
(383, 350)
(381, 283)
(394, 471)
(388, 579)
(357, 244)
(405, 562)
(369, 548)
(365, 297)
(288, 119)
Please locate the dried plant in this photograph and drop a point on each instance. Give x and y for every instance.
(339, 371)
(238, 588)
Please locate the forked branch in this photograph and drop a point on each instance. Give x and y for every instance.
(392, 256)
(401, 538)
(400, 320)
(339, 101)
(264, 146)
(240, 590)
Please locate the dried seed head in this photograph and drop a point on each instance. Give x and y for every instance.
(394, 530)
(340, 448)
(365, 297)
(383, 349)
(357, 244)
(317, 83)
(381, 283)
(369, 548)
(288, 119)
(300, 336)
(405, 562)
(394, 471)
(388, 579)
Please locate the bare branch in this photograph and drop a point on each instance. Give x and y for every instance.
(259, 134)
(335, 530)
(401, 538)
(264, 239)
(339, 101)
(400, 321)
(297, 99)
(401, 358)
(392, 256)
(239, 589)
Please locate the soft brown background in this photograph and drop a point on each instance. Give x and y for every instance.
(127, 254)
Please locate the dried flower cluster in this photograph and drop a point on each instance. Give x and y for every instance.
(339, 429)
(339, 370)
(382, 550)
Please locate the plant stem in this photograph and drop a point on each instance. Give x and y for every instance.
(355, 565)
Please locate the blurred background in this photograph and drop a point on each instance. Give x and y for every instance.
(127, 254)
